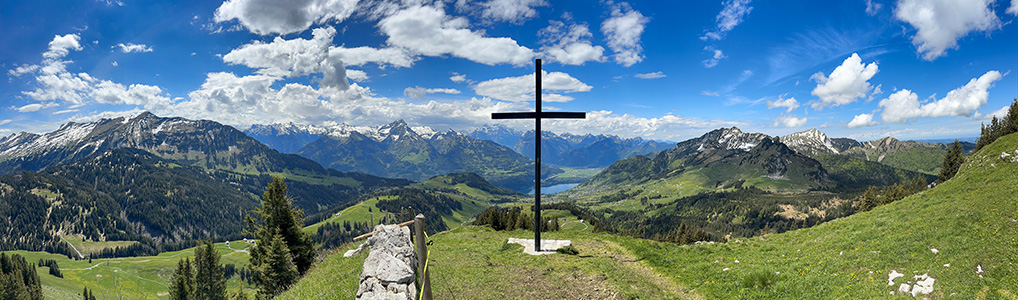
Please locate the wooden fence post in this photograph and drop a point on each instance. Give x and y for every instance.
(421, 245)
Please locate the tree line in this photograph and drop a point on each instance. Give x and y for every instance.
(513, 218)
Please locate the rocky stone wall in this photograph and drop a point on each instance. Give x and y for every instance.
(389, 269)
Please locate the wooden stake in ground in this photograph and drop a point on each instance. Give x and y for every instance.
(537, 115)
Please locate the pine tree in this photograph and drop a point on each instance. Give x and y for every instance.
(209, 281)
(952, 162)
(84, 294)
(276, 270)
(278, 216)
(182, 282)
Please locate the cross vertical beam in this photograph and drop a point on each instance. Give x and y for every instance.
(537, 115)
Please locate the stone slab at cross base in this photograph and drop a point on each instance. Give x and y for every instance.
(547, 246)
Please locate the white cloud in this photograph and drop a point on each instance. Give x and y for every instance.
(653, 75)
(731, 15)
(904, 105)
(356, 75)
(569, 45)
(667, 127)
(789, 104)
(872, 8)
(622, 32)
(60, 45)
(458, 78)
(862, 120)
(114, 63)
(429, 31)
(294, 58)
(512, 11)
(940, 23)
(1013, 9)
(846, 84)
(999, 114)
(266, 17)
(709, 93)
(714, 60)
(789, 121)
(362, 55)
(22, 70)
(35, 107)
(417, 93)
(522, 88)
(131, 47)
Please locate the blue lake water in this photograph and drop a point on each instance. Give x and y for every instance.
(545, 190)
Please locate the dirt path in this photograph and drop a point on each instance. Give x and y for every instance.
(634, 265)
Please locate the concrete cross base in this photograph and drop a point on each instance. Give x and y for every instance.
(547, 246)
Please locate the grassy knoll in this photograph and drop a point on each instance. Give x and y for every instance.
(145, 277)
(87, 247)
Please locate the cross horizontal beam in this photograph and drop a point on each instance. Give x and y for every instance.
(543, 115)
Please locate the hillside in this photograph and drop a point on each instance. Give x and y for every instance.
(968, 221)
(718, 158)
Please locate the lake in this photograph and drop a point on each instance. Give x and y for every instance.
(545, 190)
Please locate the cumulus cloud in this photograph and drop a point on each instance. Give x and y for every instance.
(132, 47)
(266, 17)
(429, 31)
(939, 24)
(569, 45)
(1013, 9)
(22, 70)
(417, 93)
(789, 121)
(622, 32)
(522, 88)
(846, 84)
(363, 55)
(789, 104)
(293, 58)
(862, 120)
(733, 13)
(61, 45)
(904, 105)
(512, 11)
(458, 78)
(872, 8)
(715, 59)
(653, 75)
(356, 75)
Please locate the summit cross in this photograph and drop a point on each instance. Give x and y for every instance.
(537, 115)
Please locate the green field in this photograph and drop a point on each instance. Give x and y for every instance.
(86, 247)
(144, 277)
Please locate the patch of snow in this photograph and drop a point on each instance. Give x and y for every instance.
(893, 275)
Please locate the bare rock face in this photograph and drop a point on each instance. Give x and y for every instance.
(388, 271)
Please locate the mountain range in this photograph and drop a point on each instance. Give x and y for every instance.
(159, 180)
(570, 150)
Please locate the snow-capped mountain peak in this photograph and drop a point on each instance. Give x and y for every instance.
(810, 142)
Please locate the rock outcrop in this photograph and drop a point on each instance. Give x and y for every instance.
(389, 269)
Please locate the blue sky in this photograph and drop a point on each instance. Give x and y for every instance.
(668, 70)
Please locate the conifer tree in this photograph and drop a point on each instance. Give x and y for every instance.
(182, 282)
(952, 162)
(279, 217)
(209, 281)
(276, 269)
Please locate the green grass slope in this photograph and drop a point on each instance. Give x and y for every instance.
(970, 220)
(145, 277)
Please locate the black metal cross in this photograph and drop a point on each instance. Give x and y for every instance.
(537, 115)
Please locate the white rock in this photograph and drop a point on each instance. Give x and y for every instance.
(904, 288)
(923, 286)
(890, 277)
